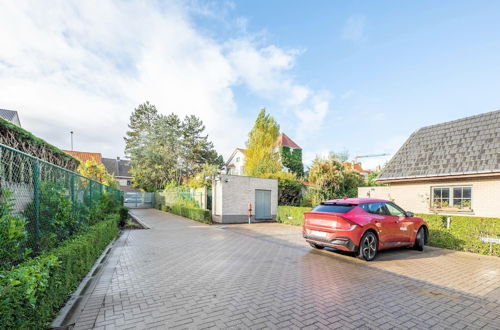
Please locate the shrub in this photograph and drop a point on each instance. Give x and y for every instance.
(291, 215)
(13, 235)
(464, 233)
(123, 212)
(289, 187)
(56, 219)
(32, 292)
(108, 204)
(200, 215)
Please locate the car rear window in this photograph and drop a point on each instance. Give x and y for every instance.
(334, 208)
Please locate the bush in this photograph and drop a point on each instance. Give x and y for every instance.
(464, 233)
(200, 215)
(32, 292)
(13, 236)
(291, 215)
(123, 212)
(289, 187)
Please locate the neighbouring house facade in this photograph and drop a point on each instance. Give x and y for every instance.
(235, 163)
(451, 168)
(290, 155)
(10, 115)
(120, 169)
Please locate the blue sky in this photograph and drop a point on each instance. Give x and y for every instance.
(337, 75)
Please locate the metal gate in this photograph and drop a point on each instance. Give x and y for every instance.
(138, 200)
(262, 204)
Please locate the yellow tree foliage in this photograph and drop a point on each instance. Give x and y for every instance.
(261, 158)
(91, 169)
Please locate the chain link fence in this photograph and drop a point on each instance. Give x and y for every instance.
(42, 204)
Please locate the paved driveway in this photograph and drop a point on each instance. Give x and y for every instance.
(182, 274)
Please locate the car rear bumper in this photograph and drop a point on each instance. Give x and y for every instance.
(341, 242)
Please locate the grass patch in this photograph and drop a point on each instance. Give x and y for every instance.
(291, 215)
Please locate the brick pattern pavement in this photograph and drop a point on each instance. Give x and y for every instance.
(184, 275)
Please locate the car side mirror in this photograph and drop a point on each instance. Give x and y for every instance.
(409, 214)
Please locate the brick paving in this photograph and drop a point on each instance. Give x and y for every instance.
(184, 275)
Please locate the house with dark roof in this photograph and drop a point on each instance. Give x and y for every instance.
(235, 162)
(448, 168)
(120, 169)
(10, 115)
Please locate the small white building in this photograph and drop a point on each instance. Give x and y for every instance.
(231, 195)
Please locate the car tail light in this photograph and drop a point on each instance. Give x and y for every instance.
(342, 224)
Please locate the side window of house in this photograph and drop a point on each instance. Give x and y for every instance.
(374, 208)
(458, 197)
(237, 159)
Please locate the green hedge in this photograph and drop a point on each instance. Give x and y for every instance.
(32, 292)
(464, 233)
(200, 215)
(291, 215)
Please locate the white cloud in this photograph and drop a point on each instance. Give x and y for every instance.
(84, 66)
(354, 28)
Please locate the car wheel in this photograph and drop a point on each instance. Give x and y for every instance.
(368, 246)
(420, 240)
(316, 246)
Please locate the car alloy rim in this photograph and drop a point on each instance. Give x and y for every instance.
(369, 246)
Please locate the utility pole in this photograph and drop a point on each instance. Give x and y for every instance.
(71, 140)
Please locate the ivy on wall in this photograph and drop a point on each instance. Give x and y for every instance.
(292, 160)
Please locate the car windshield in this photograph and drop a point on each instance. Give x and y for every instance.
(334, 207)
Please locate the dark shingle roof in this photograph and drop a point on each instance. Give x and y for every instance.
(117, 167)
(466, 146)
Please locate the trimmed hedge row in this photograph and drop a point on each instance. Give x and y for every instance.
(463, 234)
(197, 214)
(32, 292)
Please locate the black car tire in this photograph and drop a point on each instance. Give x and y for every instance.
(368, 246)
(420, 240)
(316, 246)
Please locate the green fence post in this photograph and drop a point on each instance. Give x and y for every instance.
(72, 189)
(90, 192)
(36, 200)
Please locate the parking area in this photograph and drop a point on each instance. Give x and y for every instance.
(183, 274)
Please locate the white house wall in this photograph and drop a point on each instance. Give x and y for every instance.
(415, 197)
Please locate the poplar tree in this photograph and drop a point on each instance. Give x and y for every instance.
(261, 156)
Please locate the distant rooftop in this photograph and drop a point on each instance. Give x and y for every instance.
(118, 167)
(83, 156)
(284, 141)
(10, 115)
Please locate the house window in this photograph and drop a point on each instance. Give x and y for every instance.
(129, 182)
(237, 159)
(456, 197)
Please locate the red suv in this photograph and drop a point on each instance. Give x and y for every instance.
(363, 226)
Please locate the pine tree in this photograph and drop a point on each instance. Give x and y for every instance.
(141, 122)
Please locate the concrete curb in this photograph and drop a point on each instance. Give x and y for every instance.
(139, 221)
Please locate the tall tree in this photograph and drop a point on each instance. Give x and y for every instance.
(197, 150)
(261, 156)
(164, 149)
(141, 122)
